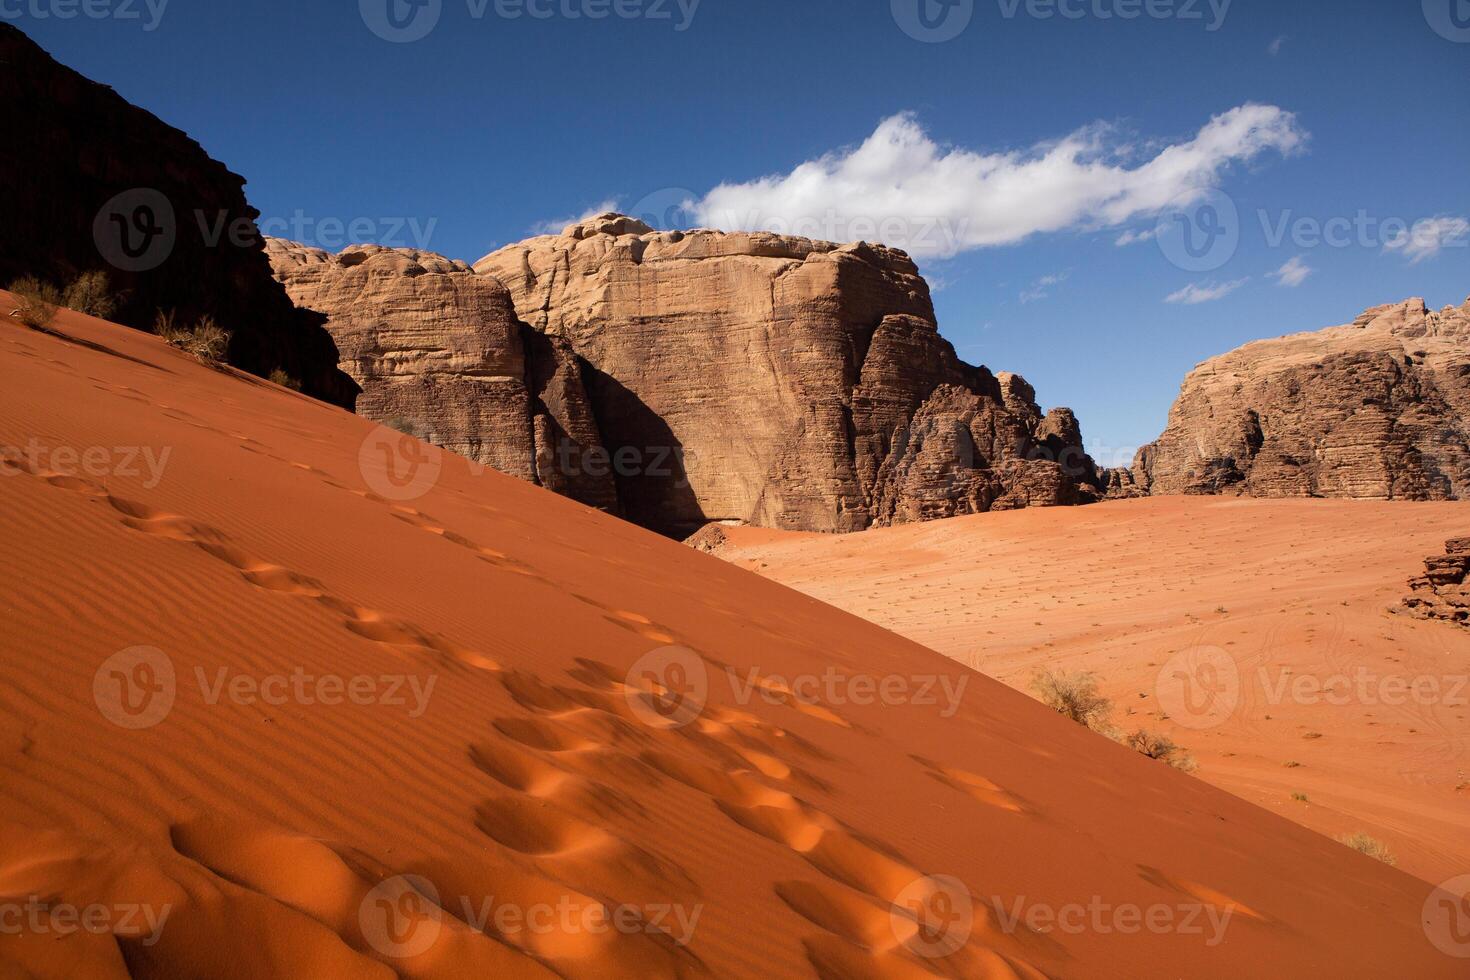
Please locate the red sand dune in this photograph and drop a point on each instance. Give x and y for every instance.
(1365, 712)
(217, 805)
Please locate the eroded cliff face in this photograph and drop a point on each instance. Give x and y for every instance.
(780, 380)
(94, 183)
(1379, 408)
(684, 378)
(438, 351)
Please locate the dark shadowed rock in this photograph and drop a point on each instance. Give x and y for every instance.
(92, 182)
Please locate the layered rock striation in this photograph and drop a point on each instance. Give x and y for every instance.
(787, 382)
(682, 378)
(1379, 408)
(439, 352)
(1441, 592)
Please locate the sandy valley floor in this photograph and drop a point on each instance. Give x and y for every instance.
(1365, 712)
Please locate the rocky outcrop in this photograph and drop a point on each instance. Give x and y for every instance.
(1441, 592)
(1379, 408)
(96, 183)
(781, 381)
(438, 351)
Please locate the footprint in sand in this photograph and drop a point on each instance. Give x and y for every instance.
(974, 786)
(372, 625)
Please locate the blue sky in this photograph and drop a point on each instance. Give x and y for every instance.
(488, 127)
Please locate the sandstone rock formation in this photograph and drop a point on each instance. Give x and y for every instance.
(782, 381)
(1379, 408)
(1441, 592)
(438, 351)
(96, 183)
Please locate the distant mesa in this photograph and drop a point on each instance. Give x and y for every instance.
(679, 378)
(1377, 409)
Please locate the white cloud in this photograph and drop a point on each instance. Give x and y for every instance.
(555, 226)
(1292, 274)
(1205, 292)
(1275, 46)
(1041, 288)
(1131, 237)
(1428, 236)
(902, 188)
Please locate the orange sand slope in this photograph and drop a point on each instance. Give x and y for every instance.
(258, 718)
(1286, 601)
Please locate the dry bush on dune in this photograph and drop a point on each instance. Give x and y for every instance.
(280, 377)
(206, 340)
(209, 341)
(1370, 846)
(38, 301)
(91, 293)
(1162, 748)
(1074, 696)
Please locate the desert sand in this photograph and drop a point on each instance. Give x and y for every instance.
(282, 694)
(1365, 712)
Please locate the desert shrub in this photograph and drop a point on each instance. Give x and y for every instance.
(206, 340)
(37, 301)
(1073, 696)
(165, 325)
(91, 293)
(1370, 846)
(1300, 797)
(280, 377)
(1160, 747)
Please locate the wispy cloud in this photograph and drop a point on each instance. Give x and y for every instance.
(1205, 292)
(1292, 274)
(1275, 46)
(554, 226)
(1131, 237)
(1041, 288)
(903, 188)
(1429, 236)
